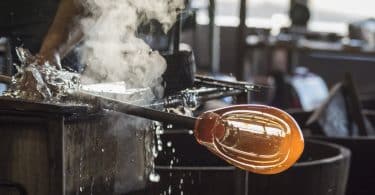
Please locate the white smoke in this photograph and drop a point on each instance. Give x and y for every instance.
(111, 49)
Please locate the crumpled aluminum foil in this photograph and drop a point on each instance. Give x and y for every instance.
(40, 82)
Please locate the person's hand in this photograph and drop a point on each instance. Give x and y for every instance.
(27, 58)
(53, 60)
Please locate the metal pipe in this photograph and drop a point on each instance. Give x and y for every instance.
(214, 39)
(176, 34)
(119, 106)
(241, 45)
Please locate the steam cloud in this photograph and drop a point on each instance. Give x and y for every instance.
(111, 49)
(113, 53)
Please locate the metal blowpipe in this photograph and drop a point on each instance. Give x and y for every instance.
(256, 138)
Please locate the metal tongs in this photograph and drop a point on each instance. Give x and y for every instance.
(228, 85)
(209, 88)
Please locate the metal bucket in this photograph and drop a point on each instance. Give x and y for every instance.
(362, 169)
(323, 169)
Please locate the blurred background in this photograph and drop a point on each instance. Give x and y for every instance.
(265, 38)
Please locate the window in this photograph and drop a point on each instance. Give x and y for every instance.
(326, 15)
(334, 15)
(227, 12)
(260, 13)
(267, 13)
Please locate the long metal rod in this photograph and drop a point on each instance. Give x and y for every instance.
(119, 106)
(241, 45)
(214, 39)
(176, 34)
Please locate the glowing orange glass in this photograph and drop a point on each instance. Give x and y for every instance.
(260, 139)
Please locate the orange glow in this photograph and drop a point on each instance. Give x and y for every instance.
(259, 139)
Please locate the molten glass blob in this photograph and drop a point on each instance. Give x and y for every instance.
(259, 139)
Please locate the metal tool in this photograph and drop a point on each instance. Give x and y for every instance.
(209, 81)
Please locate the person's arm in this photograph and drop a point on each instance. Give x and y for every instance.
(61, 36)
